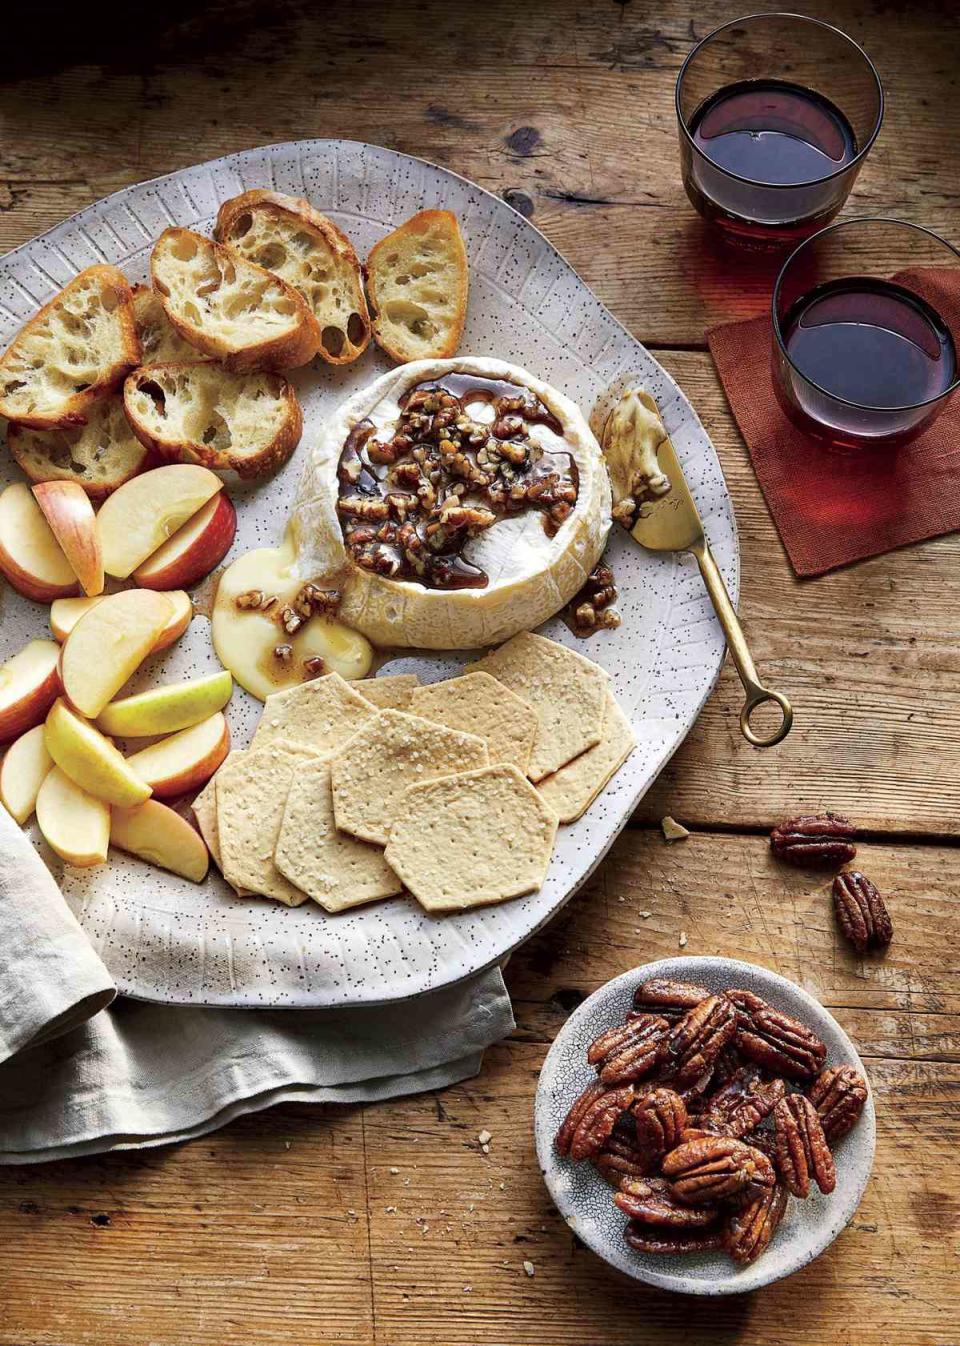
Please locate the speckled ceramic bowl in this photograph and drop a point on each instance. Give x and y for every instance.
(584, 1199)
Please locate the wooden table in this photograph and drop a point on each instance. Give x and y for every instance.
(389, 1224)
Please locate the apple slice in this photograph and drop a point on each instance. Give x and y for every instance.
(73, 823)
(156, 834)
(24, 770)
(108, 644)
(145, 511)
(164, 710)
(67, 509)
(30, 556)
(184, 761)
(29, 685)
(90, 760)
(66, 612)
(196, 549)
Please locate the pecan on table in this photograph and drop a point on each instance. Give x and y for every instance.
(695, 1041)
(623, 1156)
(661, 1117)
(644, 1239)
(780, 1044)
(751, 1227)
(629, 1051)
(838, 1094)
(652, 1201)
(671, 999)
(713, 1168)
(815, 841)
(739, 1106)
(861, 912)
(802, 1149)
(589, 1123)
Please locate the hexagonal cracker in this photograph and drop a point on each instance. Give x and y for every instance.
(320, 714)
(478, 702)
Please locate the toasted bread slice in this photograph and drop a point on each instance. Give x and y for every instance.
(100, 455)
(288, 237)
(200, 412)
(229, 308)
(160, 342)
(417, 281)
(78, 347)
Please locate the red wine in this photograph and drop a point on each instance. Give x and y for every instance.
(870, 342)
(773, 132)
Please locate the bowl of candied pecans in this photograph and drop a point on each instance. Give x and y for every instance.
(704, 1125)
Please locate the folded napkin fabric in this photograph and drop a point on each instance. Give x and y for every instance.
(832, 507)
(80, 1078)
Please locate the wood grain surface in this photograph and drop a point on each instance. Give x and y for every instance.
(389, 1225)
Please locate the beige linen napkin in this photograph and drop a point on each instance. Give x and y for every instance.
(139, 1074)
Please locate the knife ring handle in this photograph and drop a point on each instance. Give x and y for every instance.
(759, 696)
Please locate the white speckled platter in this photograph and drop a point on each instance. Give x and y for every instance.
(586, 1202)
(165, 939)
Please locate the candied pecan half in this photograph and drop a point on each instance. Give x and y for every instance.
(816, 841)
(751, 1227)
(712, 1168)
(652, 1201)
(779, 1043)
(861, 912)
(838, 1094)
(696, 1040)
(590, 1122)
(661, 1117)
(672, 999)
(643, 1239)
(628, 1051)
(623, 1156)
(740, 1105)
(802, 1149)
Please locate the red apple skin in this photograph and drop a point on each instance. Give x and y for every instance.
(197, 775)
(29, 586)
(32, 709)
(204, 553)
(67, 509)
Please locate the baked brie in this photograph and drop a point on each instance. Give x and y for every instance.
(454, 503)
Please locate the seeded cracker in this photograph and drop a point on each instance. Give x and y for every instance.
(479, 702)
(573, 788)
(320, 714)
(252, 790)
(390, 753)
(566, 691)
(205, 812)
(335, 869)
(393, 692)
(467, 840)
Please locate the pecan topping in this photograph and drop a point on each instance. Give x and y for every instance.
(713, 1168)
(817, 841)
(590, 1122)
(838, 1094)
(802, 1151)
(740, 1105)
(643, 1239)
(652, 1201)
(249, 601)
(780, 1044)
(696, 1040)
(672, 999)
(752, 1226)
(629, 1051)
(623, 1156)
(661, 1117)
(590, 610)
(861, 912)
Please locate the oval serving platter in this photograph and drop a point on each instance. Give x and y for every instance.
(165, 939)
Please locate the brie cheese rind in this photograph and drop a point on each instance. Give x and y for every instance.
(531, 575)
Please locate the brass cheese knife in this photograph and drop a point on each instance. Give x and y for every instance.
(672, 523)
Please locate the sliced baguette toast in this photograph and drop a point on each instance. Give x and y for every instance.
(100, 455)
(200, 412)
(417, 280)
(289, 237)
(160, 342)
(78, 347)
(229, 308)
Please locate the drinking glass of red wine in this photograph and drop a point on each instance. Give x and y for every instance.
(777, 113)
(866, 332)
